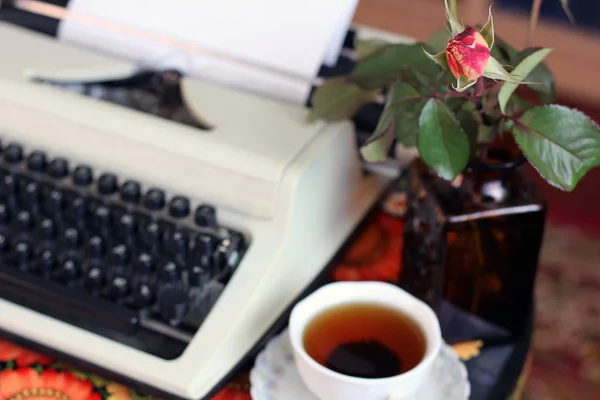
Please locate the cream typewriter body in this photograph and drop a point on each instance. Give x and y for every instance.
(276, 196)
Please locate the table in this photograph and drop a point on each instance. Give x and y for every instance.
(373, 255)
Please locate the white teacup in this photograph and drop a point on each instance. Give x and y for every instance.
(330, 385)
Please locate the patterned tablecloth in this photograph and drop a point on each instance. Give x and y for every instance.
(374, 255)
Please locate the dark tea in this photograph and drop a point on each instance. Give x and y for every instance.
(365, 340)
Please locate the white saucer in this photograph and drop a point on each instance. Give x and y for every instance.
(275, 377)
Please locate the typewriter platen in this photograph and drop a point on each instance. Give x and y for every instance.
(156, 249)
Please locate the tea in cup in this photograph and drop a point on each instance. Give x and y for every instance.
(364, 341)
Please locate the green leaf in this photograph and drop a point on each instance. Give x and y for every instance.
(439, 40)
(442, 143)
(495, 70)
(488, 30)
(338, 100)
(522, 71)
(365, 48)
(398, 99)
(406, 128)
(455, 26)
(386, 65)
(463, 84)
(400, 118)
(418, 80)
(561, 143)
(439, 58)
(375, 150)
(541, 75)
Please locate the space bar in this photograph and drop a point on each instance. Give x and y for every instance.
(69, 304)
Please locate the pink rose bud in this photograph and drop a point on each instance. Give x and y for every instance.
(467, 54)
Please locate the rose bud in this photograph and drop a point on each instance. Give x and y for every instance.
(467, 54)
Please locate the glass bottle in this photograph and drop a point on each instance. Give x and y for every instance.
(471, 247)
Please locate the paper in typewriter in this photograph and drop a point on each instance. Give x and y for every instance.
(288, 40)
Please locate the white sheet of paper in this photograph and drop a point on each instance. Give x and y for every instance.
(284, 41)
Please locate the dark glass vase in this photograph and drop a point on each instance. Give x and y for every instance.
(472, 246)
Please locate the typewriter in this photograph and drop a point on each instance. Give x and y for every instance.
(159, 233)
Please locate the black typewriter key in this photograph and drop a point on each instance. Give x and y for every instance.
(25, 221)
(119, 259)
(131, 192)
(68, 272)
(37, 161)
(46, 263)
(32, 197)
(143, 295)
(120, 255)
(152, 235)
(78, 210)
(198, 277)
(23, 254)
(102, 219)
(179, 207)
(204, 245)
(58, 168)
(126, 226)
(56, 203)
(4, 243)
(154, 199)
(119, 288)
(72, 238)
(82, 175)
(178, 244)
(96, 247)
(205, 216)
(47, 229)
(9, 186)
(94, 280)
(32, 193)
(202, 252)
(144, 264)
(169, 273)
(107, 184)
(173, 305)
(4, 214)
(13, 153)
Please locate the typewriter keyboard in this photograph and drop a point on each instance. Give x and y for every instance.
(130, 263)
